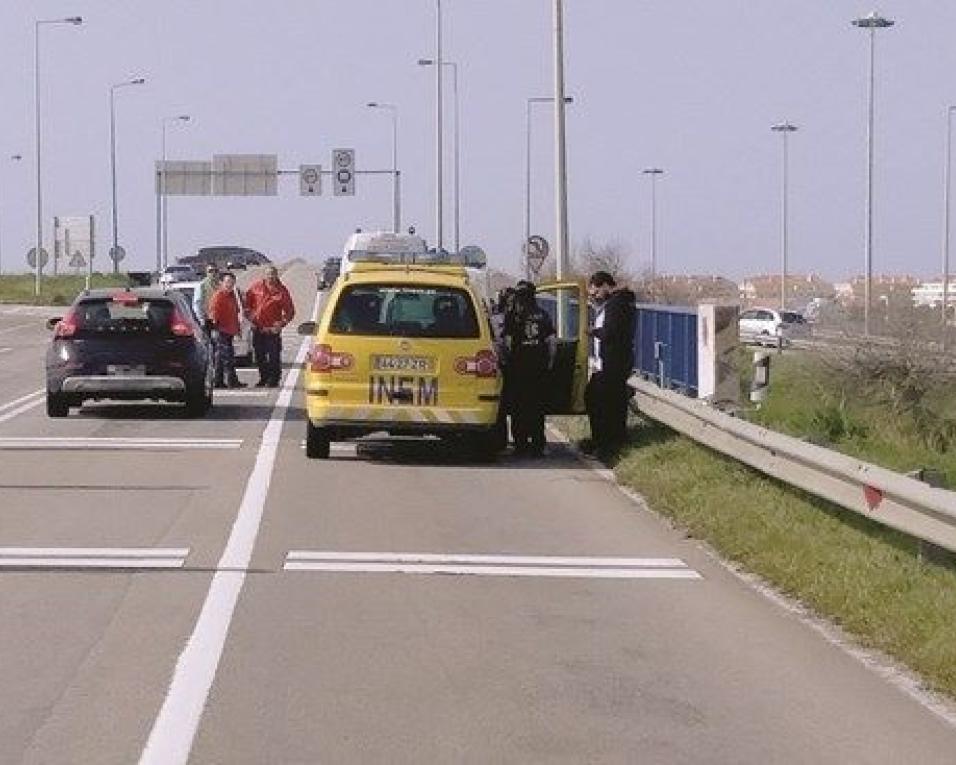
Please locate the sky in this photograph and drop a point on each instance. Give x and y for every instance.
(691, 86)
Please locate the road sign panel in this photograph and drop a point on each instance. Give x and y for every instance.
(32, 257)
(343, 172)
(184, 178)
(245, 175)
(77, 260)
(310, 180)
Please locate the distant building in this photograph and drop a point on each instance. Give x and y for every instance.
(801, 289)
(930, 294)
(887, 289)
(680, 289)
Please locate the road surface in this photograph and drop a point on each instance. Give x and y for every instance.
(177, 590)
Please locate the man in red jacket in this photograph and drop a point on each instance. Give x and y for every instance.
(270, 308)
(223, 311)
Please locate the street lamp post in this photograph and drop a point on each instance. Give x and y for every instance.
(114, 251)
(871, 23)
(527, 158)
(560, 147)
(13, 158)
(396, 194)
(653, 172)
(439, 238)
(162, 217)
(72, 21)
(947, 187)
(454, 71)
(785, 129)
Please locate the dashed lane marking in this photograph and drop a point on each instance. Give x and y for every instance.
(92, 557)
(20, 405)
(66, 443)
(489, 565)
(5, 350)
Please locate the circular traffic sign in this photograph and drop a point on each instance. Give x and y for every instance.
(536, 251)
(311, 176)
(117, 253)
(32, 257)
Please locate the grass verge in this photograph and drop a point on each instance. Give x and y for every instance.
(866, 578)
(54, 290)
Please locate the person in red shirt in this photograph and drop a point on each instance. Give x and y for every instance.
(269, 307)
(223, 311)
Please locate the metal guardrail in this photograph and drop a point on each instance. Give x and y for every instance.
(889, 498)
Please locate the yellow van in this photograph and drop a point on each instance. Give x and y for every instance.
(407, 350)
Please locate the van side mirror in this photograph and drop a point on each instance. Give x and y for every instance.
(51, 323)
(306, 328)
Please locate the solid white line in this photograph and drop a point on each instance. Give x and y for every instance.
(506, 560)
(32, 404)
(174, 729)
(94, 552)
(58, 443)
(5, 350)
(22, 399)
(529, 571)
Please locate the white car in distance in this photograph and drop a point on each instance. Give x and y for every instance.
(767, 326)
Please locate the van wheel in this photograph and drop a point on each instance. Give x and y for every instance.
(56, 405)
(317, 443)
(484, 447)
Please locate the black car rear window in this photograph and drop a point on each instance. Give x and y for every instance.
(130, 316)
(405, 311)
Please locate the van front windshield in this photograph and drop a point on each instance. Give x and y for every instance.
(405, 311)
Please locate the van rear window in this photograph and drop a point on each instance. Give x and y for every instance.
(111, 317)
(404, 311)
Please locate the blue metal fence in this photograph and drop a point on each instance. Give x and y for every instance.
(665, 346)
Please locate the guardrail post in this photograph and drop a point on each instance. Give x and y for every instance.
(659, 357)
(928, 552)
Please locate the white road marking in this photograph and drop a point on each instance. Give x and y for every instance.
(93, 557)
(490, 565)
(60, 443)
(528, 571)
(5, 350)
(254, 392)
(23, 404)
(518, 560)
(171, 738)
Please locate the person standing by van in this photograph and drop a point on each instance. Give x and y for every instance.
(270, 308)
(611, 362)
(224, 311)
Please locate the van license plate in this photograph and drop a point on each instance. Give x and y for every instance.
(403, 364)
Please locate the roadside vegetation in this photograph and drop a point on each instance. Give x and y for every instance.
(54, 290)
(872, 581)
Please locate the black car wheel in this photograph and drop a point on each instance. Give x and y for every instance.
(56, 405)
(317, 443)
(198, 402)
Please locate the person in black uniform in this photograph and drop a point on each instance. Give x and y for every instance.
(531, 342)
(504, 307)
(611, 362)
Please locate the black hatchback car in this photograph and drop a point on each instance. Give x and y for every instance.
(130, 344)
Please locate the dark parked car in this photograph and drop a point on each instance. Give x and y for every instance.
(130, 344)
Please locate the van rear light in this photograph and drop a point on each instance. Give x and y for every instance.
(67, 326)
(484, 364)
(125, 297)
(179, 325)
(323, 359)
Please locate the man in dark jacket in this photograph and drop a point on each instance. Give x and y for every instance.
(612, 361)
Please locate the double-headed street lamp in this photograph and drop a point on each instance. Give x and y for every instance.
(162, 218)
(115, 252)
(71, 21)
(872, 22)
(454, 72)
(654, 173)
(396, 192)
(785, 129)
(527, 158)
